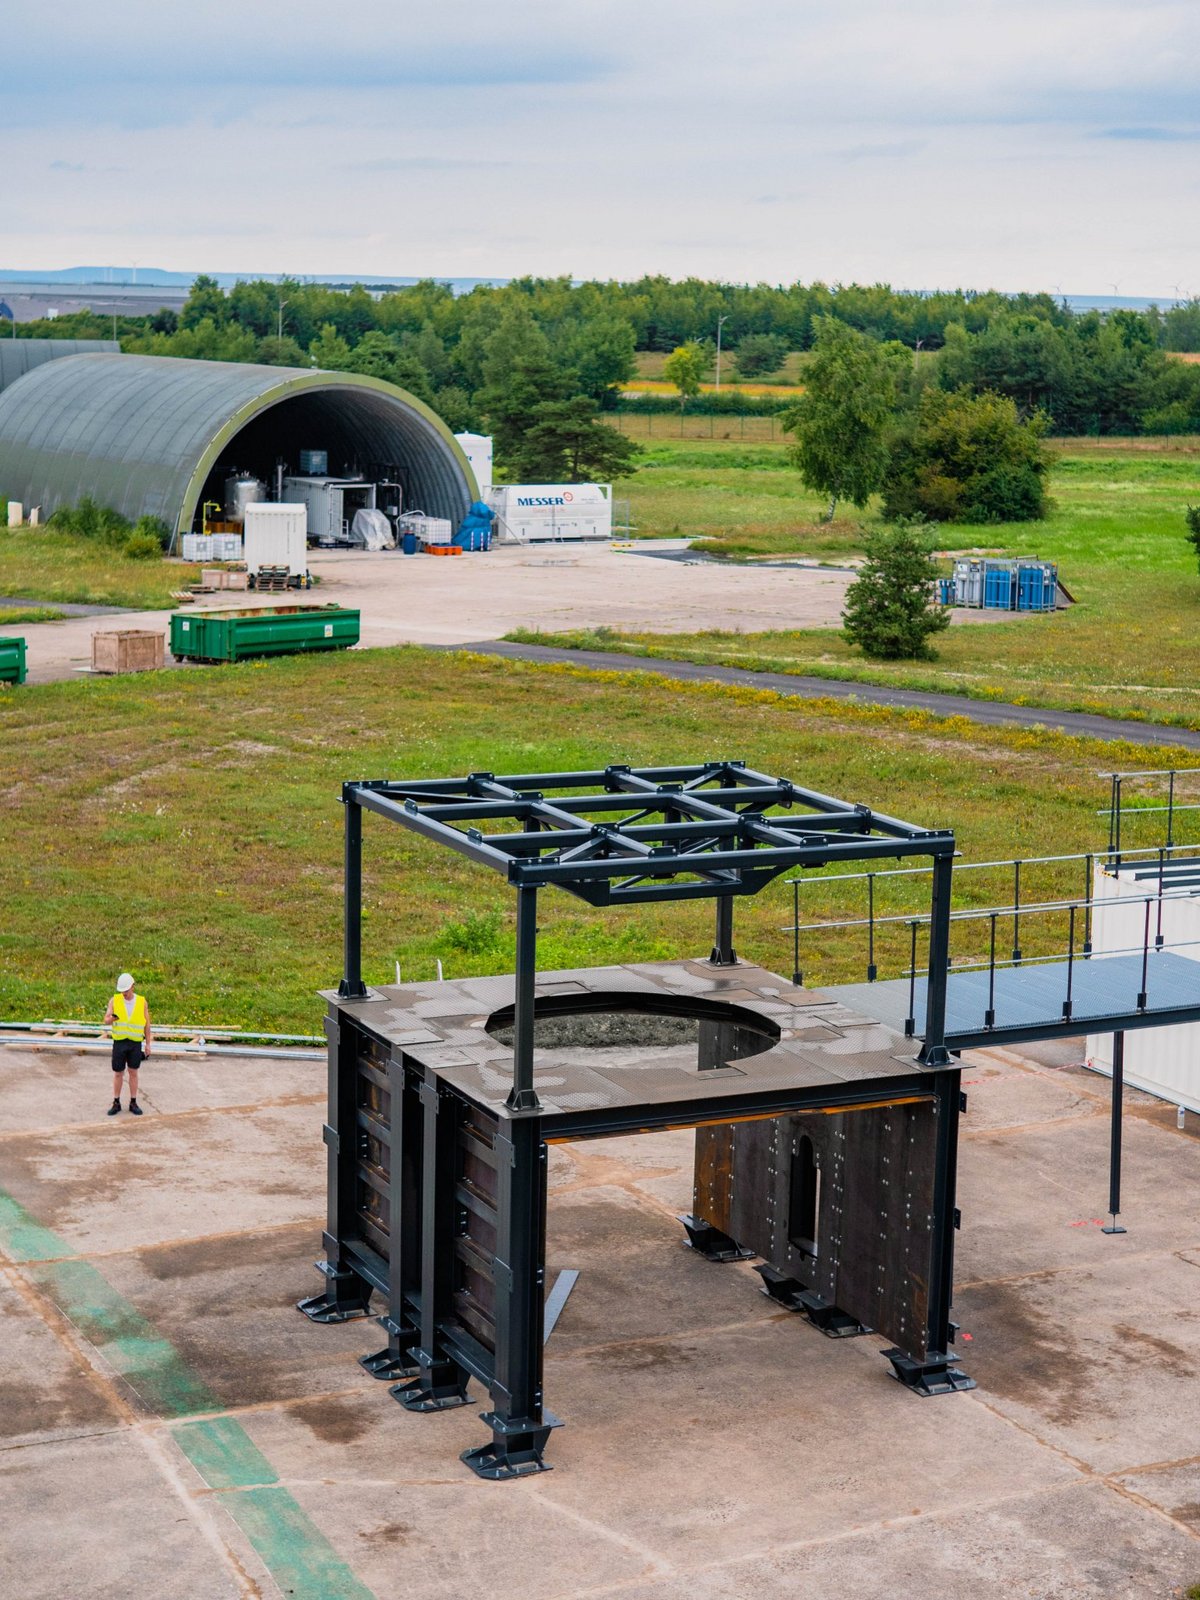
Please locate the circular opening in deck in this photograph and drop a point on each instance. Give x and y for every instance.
(624, 1022)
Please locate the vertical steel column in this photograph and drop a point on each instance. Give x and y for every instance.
(351, 986)
(396, 1359)
(723, 953)
(1114, 1147)
(348, 1293)
(933, 1052)
(519, 1425)
(440, 1382)
(941, 1250)
(522, 1096)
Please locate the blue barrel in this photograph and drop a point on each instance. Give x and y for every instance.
(408, 543)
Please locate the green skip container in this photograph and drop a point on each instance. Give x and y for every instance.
(12, 661)
(246, 633)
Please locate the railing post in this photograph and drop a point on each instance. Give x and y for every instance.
(1087, 905)
(1114, 1147)
(1158, 937)
(797, 975)
(351, 986)
(522, 1096)
(989, 1016)
(1117, 815)
(1141, 999)
(910, 1022)
(1171, 809)
(872, 970)
(1070, 965)
(1016, 954)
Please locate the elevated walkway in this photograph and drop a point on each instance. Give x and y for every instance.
(1041, 1000)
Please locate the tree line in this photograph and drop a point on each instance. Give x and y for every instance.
(466, 354)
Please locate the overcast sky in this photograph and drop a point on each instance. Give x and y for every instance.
(1029, 144)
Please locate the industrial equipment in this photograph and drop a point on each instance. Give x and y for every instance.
(438, 1126)
(1025, 584)
(330, 504)
(526, 512)
(477, 447)
(242, 489)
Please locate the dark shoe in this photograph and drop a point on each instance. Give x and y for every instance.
(135, 1108)
(114, 1108)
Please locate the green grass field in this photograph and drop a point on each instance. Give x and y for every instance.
(188, 826)
(1130, 647)
(46, 564)
(9, 615)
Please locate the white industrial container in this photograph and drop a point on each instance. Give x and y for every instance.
(477, 447)
(528, 511)
(1162, 1061)
(198, 547)
(330, 504)
(227, 546)
(277, 536)
(427, 530)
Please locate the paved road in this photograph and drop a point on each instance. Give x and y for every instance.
(991, 713)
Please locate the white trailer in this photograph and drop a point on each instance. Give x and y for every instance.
(530, 511)
(1162, 1061)
(276, 536)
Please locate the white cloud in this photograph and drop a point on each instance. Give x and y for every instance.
(1020, 144)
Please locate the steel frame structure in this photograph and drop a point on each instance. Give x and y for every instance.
(400, 1119)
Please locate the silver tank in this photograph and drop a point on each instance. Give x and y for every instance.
(241, 490)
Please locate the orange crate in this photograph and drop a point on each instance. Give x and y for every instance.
(443, 550)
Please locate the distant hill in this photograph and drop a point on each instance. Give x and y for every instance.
(156, 276)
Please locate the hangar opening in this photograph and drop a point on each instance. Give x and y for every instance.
(165, 437)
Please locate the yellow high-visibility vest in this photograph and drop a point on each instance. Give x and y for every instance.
(129, 1021)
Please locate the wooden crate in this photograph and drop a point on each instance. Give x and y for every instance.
(222, 578)
(127, 650)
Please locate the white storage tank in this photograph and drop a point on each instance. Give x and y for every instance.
(277, 536)
(1162, 1061)
(477, 447)
(532, 511)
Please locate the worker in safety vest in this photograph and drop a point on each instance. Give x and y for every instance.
(128, 1016)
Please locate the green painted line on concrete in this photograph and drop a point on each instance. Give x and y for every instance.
(23, 1239)
(297, 1554)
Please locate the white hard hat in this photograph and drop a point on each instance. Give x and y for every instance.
(125, 981)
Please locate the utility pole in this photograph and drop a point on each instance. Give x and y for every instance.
(279, 330)
(720, 322)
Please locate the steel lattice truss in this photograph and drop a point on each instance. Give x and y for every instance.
(626, 834)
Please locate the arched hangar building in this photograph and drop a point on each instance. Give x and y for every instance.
(157, 435)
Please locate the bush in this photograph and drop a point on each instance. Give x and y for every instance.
(91, 521)
(890, 612)
(1192, 518)
(1005, 494)
(143, 546)
(154, 528)
(966, 458)
(1178, 417)
(759, 354)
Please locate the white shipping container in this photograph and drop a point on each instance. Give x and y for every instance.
(276, 536)
(532, 511)
(1162, 1061)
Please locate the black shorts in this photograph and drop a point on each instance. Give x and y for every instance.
(127, 1055)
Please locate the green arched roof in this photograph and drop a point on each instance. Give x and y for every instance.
(142, 433)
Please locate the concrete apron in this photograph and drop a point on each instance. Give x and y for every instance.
(186, 1420)
(291, 1547)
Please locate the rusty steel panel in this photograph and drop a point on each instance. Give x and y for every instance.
(874, 1208)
